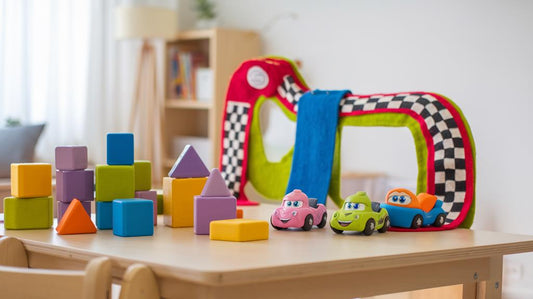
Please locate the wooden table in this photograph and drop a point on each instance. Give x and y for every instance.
(291, 264)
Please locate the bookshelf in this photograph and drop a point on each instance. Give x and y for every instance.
(199, 121)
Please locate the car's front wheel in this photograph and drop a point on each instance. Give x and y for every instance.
(308, 222)
(337, 231)
(276, 227)
(369, 227)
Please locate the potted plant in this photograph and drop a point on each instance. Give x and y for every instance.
(206, 16)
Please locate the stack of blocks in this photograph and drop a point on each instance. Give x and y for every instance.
(185, 180)
(73, 180)
(116, 179)
(118, 184)
(30, 206)
(215, 203)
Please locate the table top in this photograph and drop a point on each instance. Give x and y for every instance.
(179, 253)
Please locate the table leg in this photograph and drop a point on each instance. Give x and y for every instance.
(492, 287)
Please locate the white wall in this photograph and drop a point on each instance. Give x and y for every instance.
(478, 53)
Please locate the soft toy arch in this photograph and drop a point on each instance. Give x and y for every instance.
(445, 148)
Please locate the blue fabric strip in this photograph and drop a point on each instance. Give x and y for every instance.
(316, 125)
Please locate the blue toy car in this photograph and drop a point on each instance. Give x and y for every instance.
(410, 211)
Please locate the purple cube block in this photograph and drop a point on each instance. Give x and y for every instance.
(72, 184)
(207, 209)
(71, 157)
(151, 195)
(62, 208)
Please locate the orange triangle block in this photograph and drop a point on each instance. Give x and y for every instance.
(75, 221)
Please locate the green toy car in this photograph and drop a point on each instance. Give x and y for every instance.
(358, 213)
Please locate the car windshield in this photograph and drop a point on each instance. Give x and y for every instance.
(354, 206)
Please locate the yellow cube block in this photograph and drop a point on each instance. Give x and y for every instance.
(31, 180)
(239, 230)
(178, 200)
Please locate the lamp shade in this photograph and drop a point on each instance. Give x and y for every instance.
(136, 21)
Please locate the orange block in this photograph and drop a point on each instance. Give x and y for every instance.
(75, 220)
(239, 213)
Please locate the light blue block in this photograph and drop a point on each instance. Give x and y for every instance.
(133, 217)
(104, 214)
(120, 149)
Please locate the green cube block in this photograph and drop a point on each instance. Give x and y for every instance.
(159, 202)
(28, 213)
(114, 181)
(143, 175)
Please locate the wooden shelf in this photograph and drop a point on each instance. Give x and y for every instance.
(187, 104)
(224, 49)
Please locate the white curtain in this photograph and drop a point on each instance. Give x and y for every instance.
(61, 64)
(43, 67)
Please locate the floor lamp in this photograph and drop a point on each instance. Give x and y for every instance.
(147, 23)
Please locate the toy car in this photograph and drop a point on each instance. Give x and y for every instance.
(358, 213)
(410, 211)
(298, 211)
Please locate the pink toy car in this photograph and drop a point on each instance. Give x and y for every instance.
(299, 211)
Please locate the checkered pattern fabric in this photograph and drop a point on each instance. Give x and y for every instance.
(235, 122)
(290, 91)
(449, 162)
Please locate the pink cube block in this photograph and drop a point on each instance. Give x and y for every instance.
(71, 157)
(151, 195)
(209, 208)
(72, 184)
(62, 208)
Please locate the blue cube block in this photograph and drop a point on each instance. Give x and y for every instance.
(120, 149)
(133, 217)
(104, 214)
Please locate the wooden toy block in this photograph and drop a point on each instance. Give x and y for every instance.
(188, 165)
(238, 230)
(133, 217)
(150, 195)
(75, 220)
(120, 149)
(114, 181)
(178, 200)
(104, 214)
(159, 203)
(31, 180)
(71, 157)
(72, 184)
(239, 213)
(143, 175)
(215, 185)
(28, 213)
(215, 203)
(207, 209)
(63, 206)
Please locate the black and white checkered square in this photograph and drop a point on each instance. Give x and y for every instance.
(290, 91)
(235, 122)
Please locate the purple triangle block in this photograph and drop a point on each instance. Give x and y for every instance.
(215, 185)
(188, 165)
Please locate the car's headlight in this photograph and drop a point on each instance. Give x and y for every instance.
(294, 213)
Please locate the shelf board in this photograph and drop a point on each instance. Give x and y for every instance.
(187, 104)
(193, 35)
